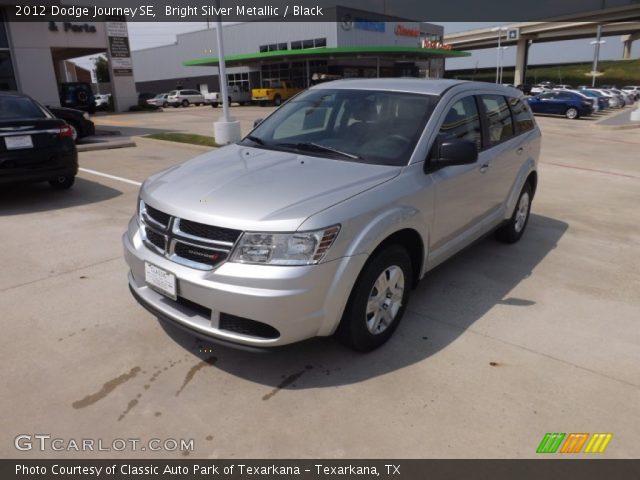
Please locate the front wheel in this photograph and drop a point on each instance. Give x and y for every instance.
(572, 113)
(277, 100)
(512, 231)
(378, 300)
(185, 103)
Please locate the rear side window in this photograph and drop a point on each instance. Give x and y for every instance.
(499, 121)
(521, 115)
(19, 108)
(462, 123)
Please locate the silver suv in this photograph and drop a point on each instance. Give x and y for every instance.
(175, 98)
(328, 213)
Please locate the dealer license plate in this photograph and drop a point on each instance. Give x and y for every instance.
(160, 280)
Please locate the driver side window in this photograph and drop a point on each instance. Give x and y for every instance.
(462, 123)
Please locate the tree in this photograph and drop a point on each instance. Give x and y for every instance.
(102, 69)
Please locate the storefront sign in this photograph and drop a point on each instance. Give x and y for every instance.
(435, 45)
(72, 27)
(362, 24)
(403, 31)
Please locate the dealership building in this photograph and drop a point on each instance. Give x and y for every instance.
(34, 56)
(362, 44)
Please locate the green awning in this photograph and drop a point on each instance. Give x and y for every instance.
(400, 53)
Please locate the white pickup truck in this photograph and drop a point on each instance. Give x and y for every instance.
(236, 95)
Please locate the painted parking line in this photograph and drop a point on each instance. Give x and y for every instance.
(112, 177)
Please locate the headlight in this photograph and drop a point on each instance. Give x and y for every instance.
(299, 248)
(86, 116)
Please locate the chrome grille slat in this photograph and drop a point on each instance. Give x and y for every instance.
(192, 251)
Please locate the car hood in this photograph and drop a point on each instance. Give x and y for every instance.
(256, 189)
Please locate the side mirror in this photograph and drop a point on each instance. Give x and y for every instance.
(452, 152)
(257, 122)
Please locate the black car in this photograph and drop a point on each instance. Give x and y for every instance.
(78, 120)
(34, 145)
(77, 95)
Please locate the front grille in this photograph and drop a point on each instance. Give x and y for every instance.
(160, 217)
(155, 238)
(199, 254)
(209, 232)
(189, 243)
(245, 326)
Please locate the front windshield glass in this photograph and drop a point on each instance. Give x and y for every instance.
(370, 126)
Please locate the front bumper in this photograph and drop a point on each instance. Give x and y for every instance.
(300, 302)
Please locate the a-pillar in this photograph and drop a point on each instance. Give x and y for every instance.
(522, 58)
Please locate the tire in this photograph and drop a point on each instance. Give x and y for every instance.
(63, 182)
(185, 103)
(277, 100)
(214, 105)
(165, 105)
(364, 329)
(572, 113)
(513, 230)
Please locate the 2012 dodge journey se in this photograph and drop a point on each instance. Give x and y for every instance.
(324, 217)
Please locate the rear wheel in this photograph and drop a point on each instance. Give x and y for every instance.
(378, 300)
(185, 103)
(165, 104)
(62, 182)
(572, 113)
(512, 231)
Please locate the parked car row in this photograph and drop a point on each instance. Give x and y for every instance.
(579, 102)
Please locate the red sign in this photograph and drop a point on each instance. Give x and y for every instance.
(435, 45)
(403, 31)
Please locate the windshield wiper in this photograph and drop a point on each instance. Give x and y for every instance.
(254, 139)
(316, 147)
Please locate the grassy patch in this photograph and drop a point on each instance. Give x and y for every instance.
(192, 138)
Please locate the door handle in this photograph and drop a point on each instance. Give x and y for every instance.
(520, 150)
(484, 168)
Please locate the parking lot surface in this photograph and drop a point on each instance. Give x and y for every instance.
(499, 345)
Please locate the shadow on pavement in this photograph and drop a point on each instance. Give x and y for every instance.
(453, 296)
(40, 197)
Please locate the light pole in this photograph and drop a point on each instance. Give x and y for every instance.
(502, 49)
(95, 72)
(499, 30)
(596, 43)
(225, 131)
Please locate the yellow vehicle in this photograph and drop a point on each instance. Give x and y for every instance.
(273, 92)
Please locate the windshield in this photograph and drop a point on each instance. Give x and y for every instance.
(20, 108)
(369, 126)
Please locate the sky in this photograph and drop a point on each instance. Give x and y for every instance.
(148, 34)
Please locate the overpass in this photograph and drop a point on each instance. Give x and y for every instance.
(614, 21)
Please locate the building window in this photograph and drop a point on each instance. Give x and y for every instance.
(264, 48)
(307, 44)
(282, 46)
(320, 42)
(297, 45)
